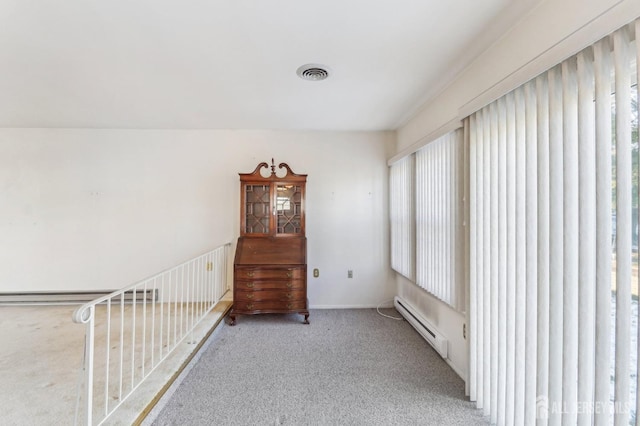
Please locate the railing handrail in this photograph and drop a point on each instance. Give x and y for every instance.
(79, 316)
(202, 292)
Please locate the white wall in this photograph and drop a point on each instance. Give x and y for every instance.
(101, 209)
(551, 32)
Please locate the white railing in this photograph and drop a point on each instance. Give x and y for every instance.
(130, 332)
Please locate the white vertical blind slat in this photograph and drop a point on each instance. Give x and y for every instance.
(494, 260)
(431, 234)
(480, 200)
(503, 327)
(407, 223)
(474, 284)
(448, 190)
(439, 179)
(487, 190)
(449, 195)
(570, 243)
(442, 229)
(637, 349)
(427, 236)
(531, 317)
(465, 249)
(394, 184)
(428, 201)
(438, 230)
(556, 179)
(510, 238)
(454, 238)
(544, 256)
(420, 201)
(587, 226)
(409, 255)
(457, 194)
(462, 219)
(623, 223)
(520, 251)
(446, 195)
(459, 177)
(420, 221)
(602, 385)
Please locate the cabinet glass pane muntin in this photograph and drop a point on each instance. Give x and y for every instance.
(257, 209)
(288, 208)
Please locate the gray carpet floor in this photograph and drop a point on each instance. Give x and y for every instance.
(348, 367)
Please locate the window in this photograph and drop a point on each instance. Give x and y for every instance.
(401, 212)
(426, 218)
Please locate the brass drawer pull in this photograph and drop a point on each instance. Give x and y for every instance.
(289, 305)
(289, 274)
(289, 296)
(250, 296)
(250, 273)
(250, 306)
(250, 285)
(289, 284)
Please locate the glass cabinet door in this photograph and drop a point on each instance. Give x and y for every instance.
(257, 209)
(288, 209)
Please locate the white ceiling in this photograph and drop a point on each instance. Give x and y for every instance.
(232, 63)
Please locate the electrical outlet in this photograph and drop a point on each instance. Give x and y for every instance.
(349, 273)
(316, 273)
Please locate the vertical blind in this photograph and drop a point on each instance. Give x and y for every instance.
(426, 218)
(553, 243)
(401, 214)
(438, 218)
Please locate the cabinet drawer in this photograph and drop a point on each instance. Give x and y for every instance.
(252, 273)
(275, 295)
(269, 285)
(268, 305)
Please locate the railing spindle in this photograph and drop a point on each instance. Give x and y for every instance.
(144, 326)
(175, 313)
(133, 340)
(162, 291)
(107, 347)
(89, 346)
(153, 320)
(190, 285)
(121, 345)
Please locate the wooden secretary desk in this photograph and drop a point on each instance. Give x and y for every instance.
(270, 266)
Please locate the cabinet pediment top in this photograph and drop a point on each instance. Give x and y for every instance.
(256, 175)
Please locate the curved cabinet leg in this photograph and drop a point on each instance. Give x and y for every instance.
(232, 320)
(306, 319)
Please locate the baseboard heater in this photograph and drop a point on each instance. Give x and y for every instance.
(71, 297)
(422, 326)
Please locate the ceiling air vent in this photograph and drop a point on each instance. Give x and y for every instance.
(313, 72)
